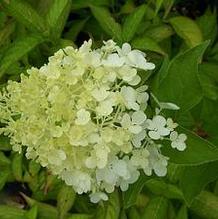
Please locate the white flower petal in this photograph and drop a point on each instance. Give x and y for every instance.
(126, 48)
(138, 138)
(142, 97)
(163, 131)
(160, 170)
(100, 94)
(150, 124)
(160, 121)
(83, 117)
(137, 59)
(135, 80)
(129, 97)
(105, 108)
(154, 135)
(113, 60)
(126, 121)
(182, 137)
(170, 106)
(142, 88)
(138, 117)
(135, 129)
(98, 196)
(173, 136)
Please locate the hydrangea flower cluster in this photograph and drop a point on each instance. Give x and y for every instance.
(83, 116)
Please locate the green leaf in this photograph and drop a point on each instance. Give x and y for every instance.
(43, 6)
(57, 16)
(3, 18)
(208, 25)
(32, 213)
(209, 87)
(80, 216)
(25, 14)
(84, 206)
(6, 32)
(132, 23)
(60, 44)
(75, 29)
(8, 212)
(209, 119)
(187, 29)
(208, 76)
(130, 196)
(156, 209)
(160, 32)
(78, 4)
(127, 7)
(123, 215)
(4, 143)
(209, 69)
(181, 84)
(168, 4)
(107, 22)
(133, 213)
(159, 187)
(198, 151)
(194, 179)
(110, 209)
(65, 200)
(17, 50)
(213, 53)
(174, 172)
(146, 43)
(4, 174)
(205, 205)
(158, 5)
(4, 161)
(45, 211)
(16, 166)
(171, 212)
(150, 13)
(160, 75)
(182, 214)
(186, 119)
(34, 167)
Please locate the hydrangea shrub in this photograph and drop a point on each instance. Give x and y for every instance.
(85, 117)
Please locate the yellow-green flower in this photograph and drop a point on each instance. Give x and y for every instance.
(82, 117)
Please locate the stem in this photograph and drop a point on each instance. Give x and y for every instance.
(206, 205)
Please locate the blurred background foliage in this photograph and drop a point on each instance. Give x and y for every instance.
(180, 37)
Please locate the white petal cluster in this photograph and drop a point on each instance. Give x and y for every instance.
(83, 116)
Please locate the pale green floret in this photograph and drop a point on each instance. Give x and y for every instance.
(80, 117)
(96, 197)
(171, 125)
(178, 141)
(157, 127)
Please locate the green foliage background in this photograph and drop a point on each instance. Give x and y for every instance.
(182, 42)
